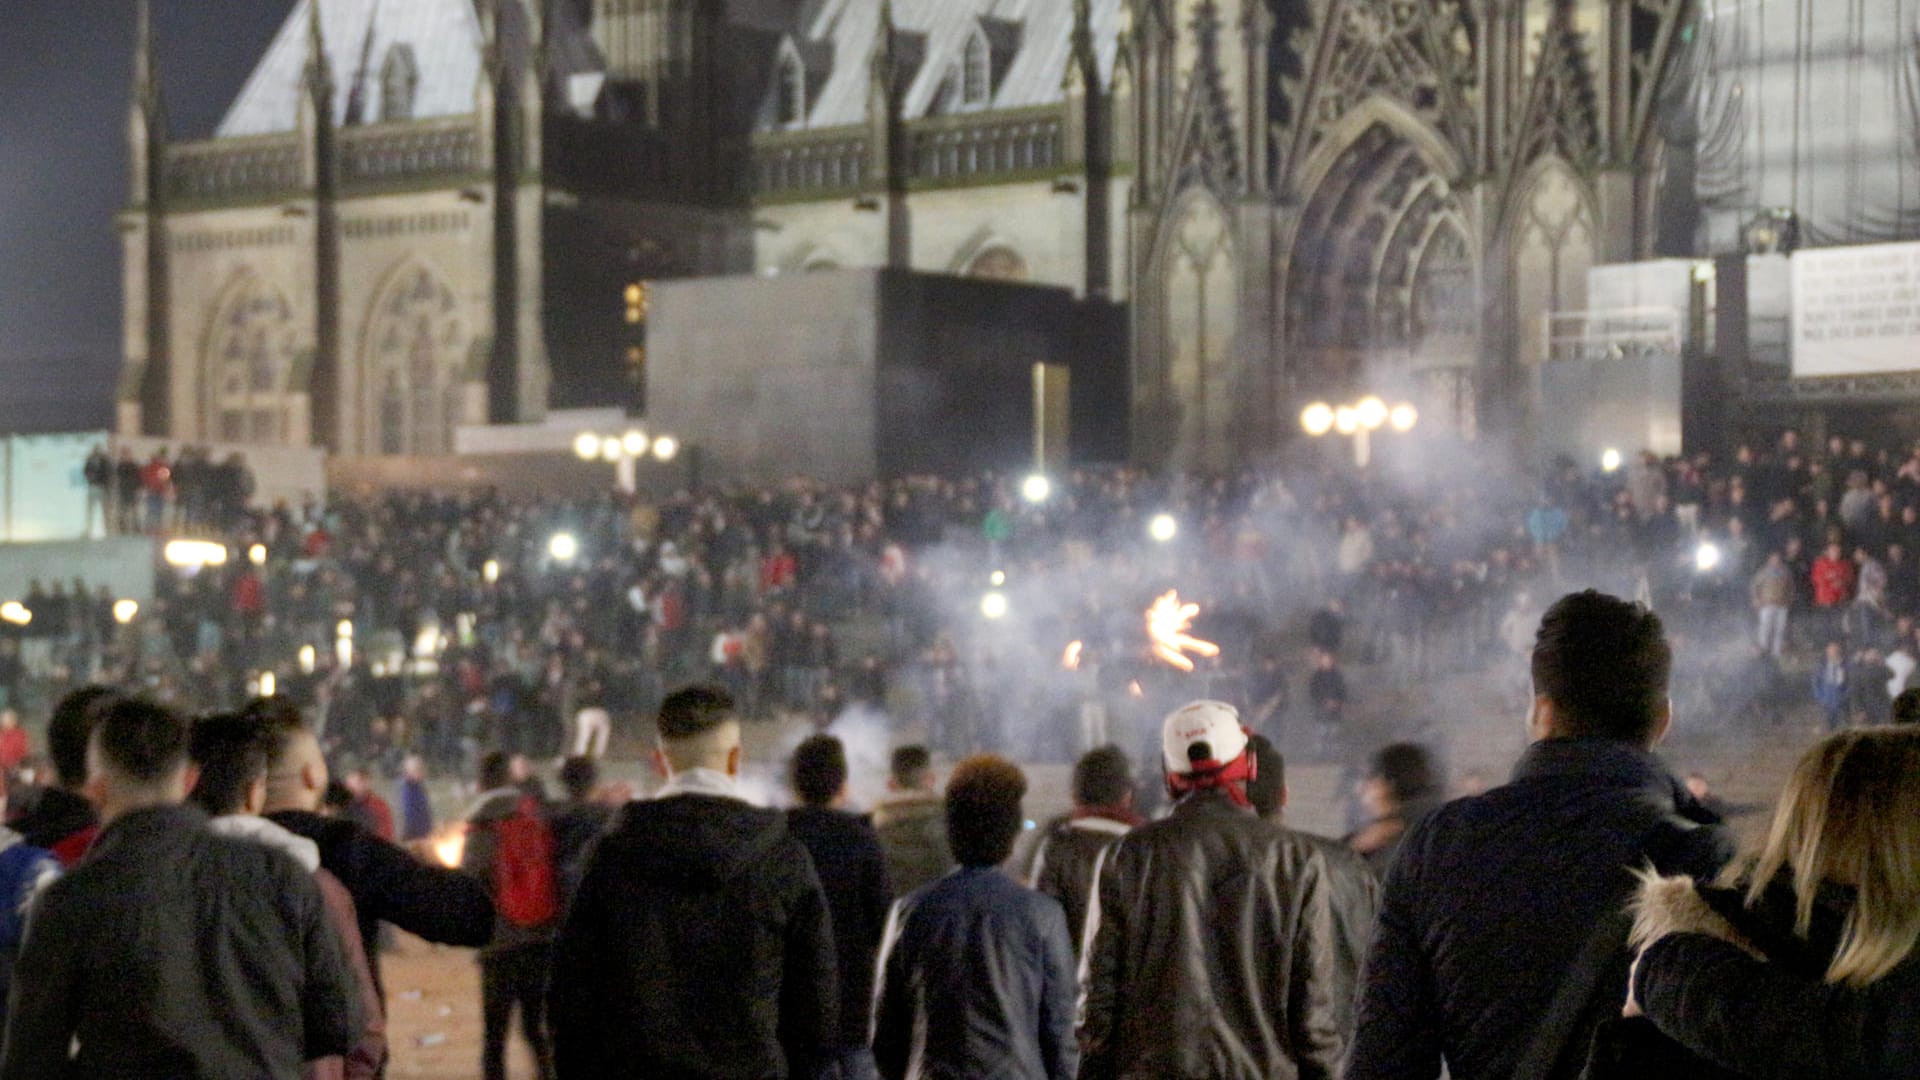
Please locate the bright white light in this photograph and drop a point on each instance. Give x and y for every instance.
(15, 612)
(635, 443)
(1403, 418)
(344, 631)
(610, 449)
(125, 610)
(666, 447)
(587, 445)
(194, 554)
(1371, 412)
(1163, 527)
(563, 547)
(1037, 488)
(1345, 420)
(1610, 460)
(994, 605)
(268, 684)
(309, 659)
(998, 578)
(343, 652)
(257, 554)
(1317, 419)
(490, 571)
(1706, 557)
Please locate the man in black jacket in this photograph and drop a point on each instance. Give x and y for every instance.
(853, 871)
(1068, 854)
(1210, 936)
(388, 884)
(1493, 898)
(171, 951)
(699, 944)
(62, 820)
(976, 973)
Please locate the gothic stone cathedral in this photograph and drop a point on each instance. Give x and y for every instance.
(420, 214)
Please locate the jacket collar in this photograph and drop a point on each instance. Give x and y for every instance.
(259, 830)
(140, 827)
(1608, 763)
(700, 782)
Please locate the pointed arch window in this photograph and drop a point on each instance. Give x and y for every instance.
(976, 71)
(399, 83)
(790, 93)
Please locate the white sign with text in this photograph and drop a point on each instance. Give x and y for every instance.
(1856, 310)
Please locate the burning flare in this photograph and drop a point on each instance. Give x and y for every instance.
(1168, 621)
(450, 847)
(1071, 661)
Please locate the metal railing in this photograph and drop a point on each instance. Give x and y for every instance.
(1615, 333)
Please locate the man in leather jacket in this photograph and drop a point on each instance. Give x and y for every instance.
(1063, 863)
(1211, 932)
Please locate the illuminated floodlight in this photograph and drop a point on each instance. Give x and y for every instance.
(666, 447)
(635, 443)
(344, 631)
(1346, 420)
(194, 554)
(998, 578)
(124, 611)
(268, 684)
(1610, 460)
(610, 449)
(1706, 557)
(15, 612)
(563, 547)
(1317, 419)
(994, 605)
(1371, 412)
(1403, 418)
(1163, 528)
(257, 554)
(1037, 488)
(587, 445)
(490, 571)
(309, 659)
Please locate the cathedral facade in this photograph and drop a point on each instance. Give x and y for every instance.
(421, 214)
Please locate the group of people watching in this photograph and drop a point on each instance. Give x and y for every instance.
(1590, 917)
(189, 489)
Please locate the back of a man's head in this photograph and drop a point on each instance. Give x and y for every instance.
(911, 768)
(819, 770)
(1906, 707)
(579, 775)
(1102, 778)
(496, 771)
(297, 773)
(699, 728)
(1603, 665)
(983, 809)
(138, 753)
(71, 729)
(230, 751)
(1267, 791)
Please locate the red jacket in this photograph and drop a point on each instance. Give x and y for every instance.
(13, 747)
(1832, 582)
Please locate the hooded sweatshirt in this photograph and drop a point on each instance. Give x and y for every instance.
(364, 1062)
(699, 944)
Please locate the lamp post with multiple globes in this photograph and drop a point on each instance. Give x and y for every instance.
(1358, 421)
(625, 452)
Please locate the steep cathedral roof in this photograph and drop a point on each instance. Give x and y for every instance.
(444, 38)
(1032, 44)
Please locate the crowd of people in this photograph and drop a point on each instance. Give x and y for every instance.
(192, 903)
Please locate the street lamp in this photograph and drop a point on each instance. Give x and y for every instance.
(586, 445)
(1163, 528)
(666, 448)
(1359, 421)
(1610, 460)
(1037, 489)
(563, 547)
(635, 443)
(624, 451)
(124, 611)
(994, 605)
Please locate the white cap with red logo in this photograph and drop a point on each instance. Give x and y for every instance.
(1203, 737)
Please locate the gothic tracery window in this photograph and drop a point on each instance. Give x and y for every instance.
(399, 82)
(976, 72)
(417, 348)
(250, 358)
(790, 103)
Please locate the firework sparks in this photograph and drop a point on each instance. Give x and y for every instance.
(1168, 623)
(451, 847)
(1071, 660)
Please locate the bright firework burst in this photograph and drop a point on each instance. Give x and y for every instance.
(1071, 660)
(1168, 622)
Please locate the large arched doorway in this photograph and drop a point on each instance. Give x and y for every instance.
(414, 385)
(1202, 280)
(1383, 282)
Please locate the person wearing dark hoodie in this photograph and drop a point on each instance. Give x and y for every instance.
(699, 944)
(62, 819)
(1067, 858)
(388, 883)
(230, 754)
(1804, 960)
(515, 964)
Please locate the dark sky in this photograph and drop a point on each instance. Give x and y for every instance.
(65, 69)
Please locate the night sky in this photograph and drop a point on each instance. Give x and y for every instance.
(65, 70)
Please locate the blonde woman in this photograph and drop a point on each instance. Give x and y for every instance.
(1803, 963)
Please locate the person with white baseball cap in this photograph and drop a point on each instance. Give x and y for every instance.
(1209, 939)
